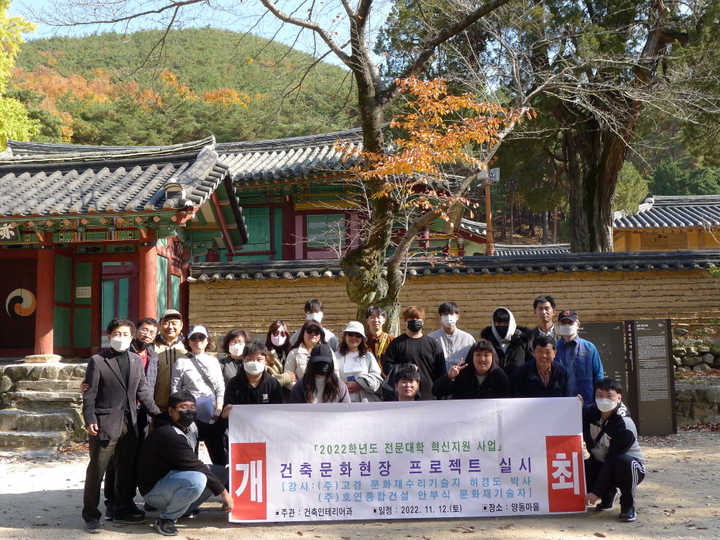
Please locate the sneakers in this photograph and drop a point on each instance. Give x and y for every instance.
(149, 508)
(627, 514)
(93, 526)
(128, 517)
(192, 514)
(607, 502)
(166, 527)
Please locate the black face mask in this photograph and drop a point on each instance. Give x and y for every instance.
(415, 325)
(322, 368)
(501, 330)
(140, 345)
(185, 418)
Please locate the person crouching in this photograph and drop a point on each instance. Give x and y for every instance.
(616, 461)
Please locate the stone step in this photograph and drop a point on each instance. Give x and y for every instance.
(35, 372)
(12, 420)
(37, 401)
(48, 385)
(31, 441)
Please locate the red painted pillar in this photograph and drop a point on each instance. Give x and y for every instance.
(148, 276)
(45, 318)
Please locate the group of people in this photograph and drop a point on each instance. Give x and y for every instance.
(156, 372)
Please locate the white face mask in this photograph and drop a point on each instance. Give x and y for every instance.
(236, 349)
(315, 317)
(449, 320)
(605, 405)
(120, 344)
(568, 329)
(278, 341)
(254, 368)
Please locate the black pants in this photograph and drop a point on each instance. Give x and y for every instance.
(627, 473)
(109, 484)
(122, 452)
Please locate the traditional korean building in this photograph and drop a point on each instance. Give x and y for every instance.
(91, 233)
(666, 223)
(300, 203)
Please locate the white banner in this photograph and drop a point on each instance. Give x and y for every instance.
(425, 459)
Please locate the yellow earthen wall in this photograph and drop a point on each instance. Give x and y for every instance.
(685, 296)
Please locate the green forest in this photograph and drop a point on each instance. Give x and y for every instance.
(152, 88)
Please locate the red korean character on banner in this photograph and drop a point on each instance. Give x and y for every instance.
(566, 473)
(248, 481)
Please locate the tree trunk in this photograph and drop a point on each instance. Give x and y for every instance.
(595, 157)
(544, 224)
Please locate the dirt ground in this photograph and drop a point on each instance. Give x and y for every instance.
(41, 499)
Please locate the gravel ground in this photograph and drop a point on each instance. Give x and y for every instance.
(41, 499)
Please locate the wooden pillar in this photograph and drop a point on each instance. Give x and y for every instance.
(148, 277)
(45, 318)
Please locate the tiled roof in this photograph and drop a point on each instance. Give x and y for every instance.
(279, 160)
(660, 212)
(473, 227)
(44, 179)
(480, 265)
(508, 250)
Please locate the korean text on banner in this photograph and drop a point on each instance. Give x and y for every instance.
(470, 458)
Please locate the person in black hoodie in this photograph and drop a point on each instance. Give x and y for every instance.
(616, 460)
(512, 342)
(478, 377)
(171, 476)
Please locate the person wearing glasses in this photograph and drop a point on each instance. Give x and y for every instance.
(309, 335)
(358, 368)
(233, 345)
(277, 342)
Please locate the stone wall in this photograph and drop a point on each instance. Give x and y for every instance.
(688, 297)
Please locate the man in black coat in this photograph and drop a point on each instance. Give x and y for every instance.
(512, 342)
(116, 382)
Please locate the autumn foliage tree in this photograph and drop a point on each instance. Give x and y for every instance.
(14, 120)
(443, 143)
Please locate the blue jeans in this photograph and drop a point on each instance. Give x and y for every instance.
(174, 493)
(181, 491)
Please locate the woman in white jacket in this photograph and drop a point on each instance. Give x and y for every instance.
(358, 368)
(200, 374)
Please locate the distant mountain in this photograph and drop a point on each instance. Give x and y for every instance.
(152, 88)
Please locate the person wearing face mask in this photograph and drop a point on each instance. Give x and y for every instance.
(513, 343)
(413, 347)
(477, 377)
(233, 345)
(142, 345)
(455, 343)
(172, 478)
(579, 357)
(320, 383)
(616, 461)
(277, 342)
(252, 385)
(314, 311)
(298, 358)
(200, 373)
(115, 384)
